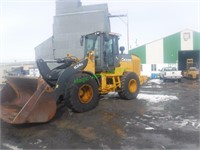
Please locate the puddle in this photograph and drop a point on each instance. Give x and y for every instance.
(87, 133)
(108, 116)
(109, 119)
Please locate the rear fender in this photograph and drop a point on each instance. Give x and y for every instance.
(65, 76)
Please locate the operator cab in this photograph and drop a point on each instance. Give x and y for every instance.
(105, 47)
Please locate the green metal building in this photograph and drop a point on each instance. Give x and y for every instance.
(164, 52)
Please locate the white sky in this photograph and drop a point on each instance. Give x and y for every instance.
(24, 24)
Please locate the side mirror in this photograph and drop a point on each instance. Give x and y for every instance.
(122, 48)
(81, 40)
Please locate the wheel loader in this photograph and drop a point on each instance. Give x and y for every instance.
(77, 83)
(192, 71)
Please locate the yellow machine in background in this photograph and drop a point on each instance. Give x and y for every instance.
(76, 82)
(192, 71)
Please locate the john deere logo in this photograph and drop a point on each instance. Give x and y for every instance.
(186, 36)
(125, 59)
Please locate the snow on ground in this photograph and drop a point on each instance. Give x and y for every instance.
(155, 81)
(11, 147)
(156, 98)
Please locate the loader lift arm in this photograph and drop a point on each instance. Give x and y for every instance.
(58, 76)
(51, 76)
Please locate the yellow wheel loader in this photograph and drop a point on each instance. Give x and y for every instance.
(76, 82)
(192, 71)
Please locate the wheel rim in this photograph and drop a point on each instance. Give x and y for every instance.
(85, 93)
(132, 85)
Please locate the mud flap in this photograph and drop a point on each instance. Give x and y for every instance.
(27, 100)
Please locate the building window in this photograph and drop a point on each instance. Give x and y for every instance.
(153, 67)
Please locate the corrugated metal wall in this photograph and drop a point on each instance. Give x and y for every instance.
(45, 49)
(68, 29)
(71, 21)
(171, 45)
(140, 52)
(196, 41)
(154, 51)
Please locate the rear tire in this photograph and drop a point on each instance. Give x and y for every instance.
(130, 86)
(81, 93)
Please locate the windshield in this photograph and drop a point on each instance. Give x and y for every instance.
(92, 42)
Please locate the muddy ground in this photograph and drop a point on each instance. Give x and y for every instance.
(164, 116)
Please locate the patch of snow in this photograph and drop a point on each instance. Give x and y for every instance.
(128, 122)
(137, 117)
(155, 81)
(170, 129)
(149, 128)
(43, 147)
(147, 116)
(38, 141)
(198, 126)
(105, 147)
(193, 124)
(12, 147)
(163, 147)
(156, 98)
(185, 122)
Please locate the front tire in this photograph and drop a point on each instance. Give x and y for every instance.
(81, 93)
(130, 86)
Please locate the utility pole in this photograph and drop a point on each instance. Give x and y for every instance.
(125, 22)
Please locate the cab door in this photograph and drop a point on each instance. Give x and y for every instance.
(110, 52)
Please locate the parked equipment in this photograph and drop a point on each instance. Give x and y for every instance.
(170, 73)
(192, 71)
(77, 82)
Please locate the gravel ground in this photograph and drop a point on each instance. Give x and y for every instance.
(164, 116)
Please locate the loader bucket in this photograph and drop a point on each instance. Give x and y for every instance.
(27, 100)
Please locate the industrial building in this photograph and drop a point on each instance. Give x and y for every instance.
(72, 20)
(172, 50)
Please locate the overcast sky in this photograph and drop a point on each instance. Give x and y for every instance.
(24, 24)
